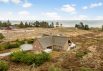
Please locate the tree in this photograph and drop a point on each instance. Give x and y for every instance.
(52, 25)
(26, 24)
(86, 27)
(37, 24)
(82, 25)
(21, 25)
(8, 23)
(0, 24)
(76, 25)
(61, 25)
(102, 27)
(57, 24)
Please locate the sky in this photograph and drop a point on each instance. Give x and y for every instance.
(51, 9)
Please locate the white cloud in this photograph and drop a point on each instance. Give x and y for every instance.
(4, 1)
(12, 16)
(13, 1)
(93, 5)
(16, 1)
(85, 7)
(27, 5)
(51, 16)
(23, 13)
(68, 8)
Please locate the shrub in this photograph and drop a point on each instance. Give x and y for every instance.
(3, 66)
(30, 41)
(9, 45)
(80, 54)
(1, 47)
(30, 58)
(17, 56)
(41, 58)
(1, 36)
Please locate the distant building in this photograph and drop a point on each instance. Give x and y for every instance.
(7, 28)
(57, 43)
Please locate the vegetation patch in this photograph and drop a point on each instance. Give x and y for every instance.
(3, 66)
(1, 36)
(80, 54)
(29, 58)
(10, 45)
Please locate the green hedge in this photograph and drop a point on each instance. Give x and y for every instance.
(3, 66)
(30, 58)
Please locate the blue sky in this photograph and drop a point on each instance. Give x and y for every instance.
(51, 9)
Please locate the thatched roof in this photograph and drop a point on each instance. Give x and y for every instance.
(47, 41)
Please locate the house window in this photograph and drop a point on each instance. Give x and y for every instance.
(50, 47)
(69, 41)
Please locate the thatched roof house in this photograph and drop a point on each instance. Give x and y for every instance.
(51, 42)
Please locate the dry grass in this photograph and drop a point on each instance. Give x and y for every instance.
(20, 34)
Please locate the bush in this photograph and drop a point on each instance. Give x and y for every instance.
(41, 58)
(80, 54)
(3, 66)
(17, 56)
(30, 41)
(30, 58)
(1, 36)
(11, 45)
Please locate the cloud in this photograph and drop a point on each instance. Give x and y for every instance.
(68, 8)
(93, 5)
(23, 13)
(4, 1)
(13, 16)
(13, 1)
(27, 5)
(16, 1)
(51, 16)
(85, 7)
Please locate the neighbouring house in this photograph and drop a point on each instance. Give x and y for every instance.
(7, 28)
(56, 43)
